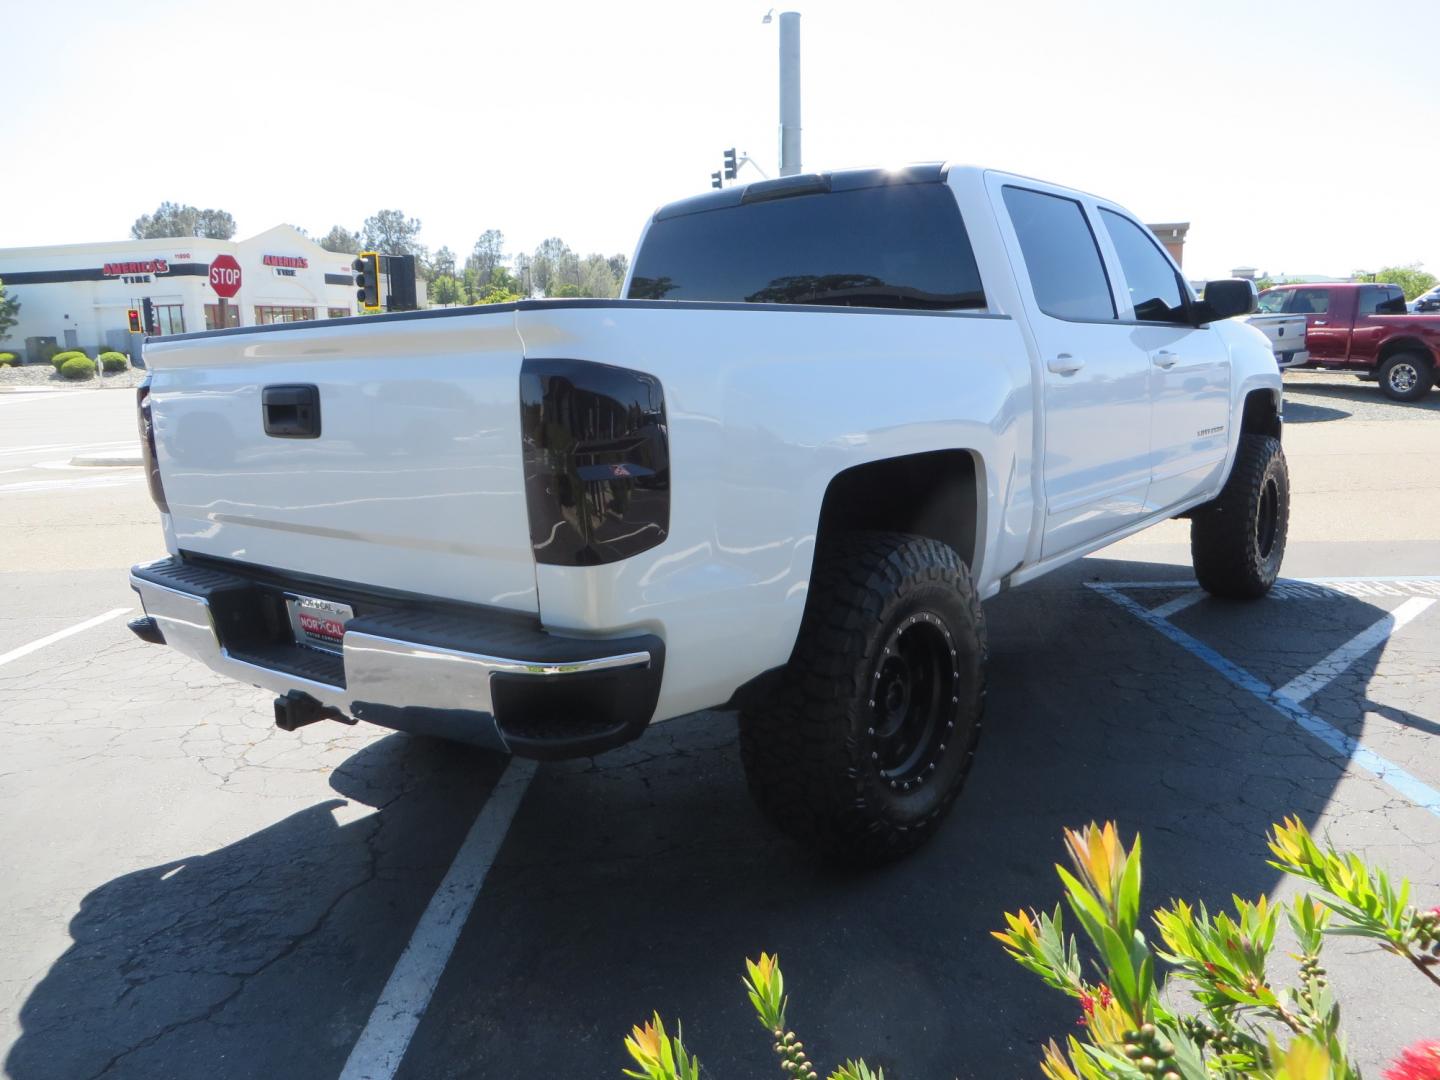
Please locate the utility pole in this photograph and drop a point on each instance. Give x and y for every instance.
(789, 93)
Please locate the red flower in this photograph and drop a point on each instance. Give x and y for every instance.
(1087, 1003)
(1418, 1062)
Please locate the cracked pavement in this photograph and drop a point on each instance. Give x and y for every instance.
(190, 892)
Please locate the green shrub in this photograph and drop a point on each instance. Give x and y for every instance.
(9, 358)
(114, 361)
(59, 358)
(78, 367)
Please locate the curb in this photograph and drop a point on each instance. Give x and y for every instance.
(95, 460)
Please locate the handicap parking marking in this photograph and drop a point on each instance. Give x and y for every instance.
(1287, 699)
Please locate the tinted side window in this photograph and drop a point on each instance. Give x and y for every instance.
(1382, 300)
(1272, 301)
(1309, 302)
(1155, 291)
(1064, 262)
(898, 246)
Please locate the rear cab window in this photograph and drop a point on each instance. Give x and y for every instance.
(1061, 256)
(900, 246)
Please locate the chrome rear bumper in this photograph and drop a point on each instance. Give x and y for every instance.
(478, 675)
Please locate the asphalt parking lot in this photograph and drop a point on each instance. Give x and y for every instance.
(191, 892)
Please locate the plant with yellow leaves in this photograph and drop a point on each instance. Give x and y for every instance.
(663, 1058)
(1132, 1034)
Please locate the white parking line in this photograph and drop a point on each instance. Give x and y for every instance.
(59, 635)
(381, 1047)
(1179, 604)
(128, 475)
(1322, 674)
(1411, 787)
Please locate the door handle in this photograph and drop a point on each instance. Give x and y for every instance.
(1318, 322)
(1165, 359)
(1065, 364)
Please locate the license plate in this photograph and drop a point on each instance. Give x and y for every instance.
(318, 623)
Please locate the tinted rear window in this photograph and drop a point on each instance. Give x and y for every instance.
(901, 246)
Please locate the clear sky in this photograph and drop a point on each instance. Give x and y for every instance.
(1297, 137)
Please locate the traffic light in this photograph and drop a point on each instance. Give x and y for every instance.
(147, 313)
(731, 167)
(367, 280)
(400, 272)
(134, 316)
(715, 180)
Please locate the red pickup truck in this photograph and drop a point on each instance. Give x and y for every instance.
(1365, 329)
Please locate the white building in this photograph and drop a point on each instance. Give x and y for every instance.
(76, 296)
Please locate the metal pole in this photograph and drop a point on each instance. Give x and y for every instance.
(789, 93)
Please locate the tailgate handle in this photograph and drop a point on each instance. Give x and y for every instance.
(291, 412)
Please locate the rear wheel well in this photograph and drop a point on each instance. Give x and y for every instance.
(1404, 345)
(934, 495)
(1262, 414)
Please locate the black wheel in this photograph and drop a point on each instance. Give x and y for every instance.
(867, 742)
(1406, 377)
(1238, 541)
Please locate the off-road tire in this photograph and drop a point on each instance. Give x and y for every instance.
(1406, 377)
(1237, 542)
(813, 752)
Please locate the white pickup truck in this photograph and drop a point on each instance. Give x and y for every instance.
(832, 415)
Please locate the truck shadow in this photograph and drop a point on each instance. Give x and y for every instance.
(1344, 387)
(641, 879)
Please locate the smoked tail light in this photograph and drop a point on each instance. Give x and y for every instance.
(147, 446)
(597, 461)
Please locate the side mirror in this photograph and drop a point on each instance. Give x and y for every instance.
(1228, 297)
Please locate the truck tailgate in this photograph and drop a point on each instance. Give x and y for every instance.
(413, 483)
(1286, 334)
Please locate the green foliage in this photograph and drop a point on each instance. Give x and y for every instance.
(445, 289)
(493, 294)
(1410, 278)
(9, 312)
(59, 358)
(174, 219)
(9, 358)
(390, 232)
(663, 1058)
(659, 1056)
(114, 361)
(78, 367)
(1131, 1033)
(342, 240)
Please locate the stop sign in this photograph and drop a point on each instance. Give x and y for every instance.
(225, 276)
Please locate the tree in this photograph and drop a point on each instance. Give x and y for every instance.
(9, 312)
(549, 266)
(1410, 278)
(488, 253)
(619, 266)
(390, 232)
(444, 263)
(445, 290)
(175, 220)
(597, 278)
(342, 240)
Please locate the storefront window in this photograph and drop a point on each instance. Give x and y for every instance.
(339, 312)
(212, 316)
(170, 318)
(267, 314)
